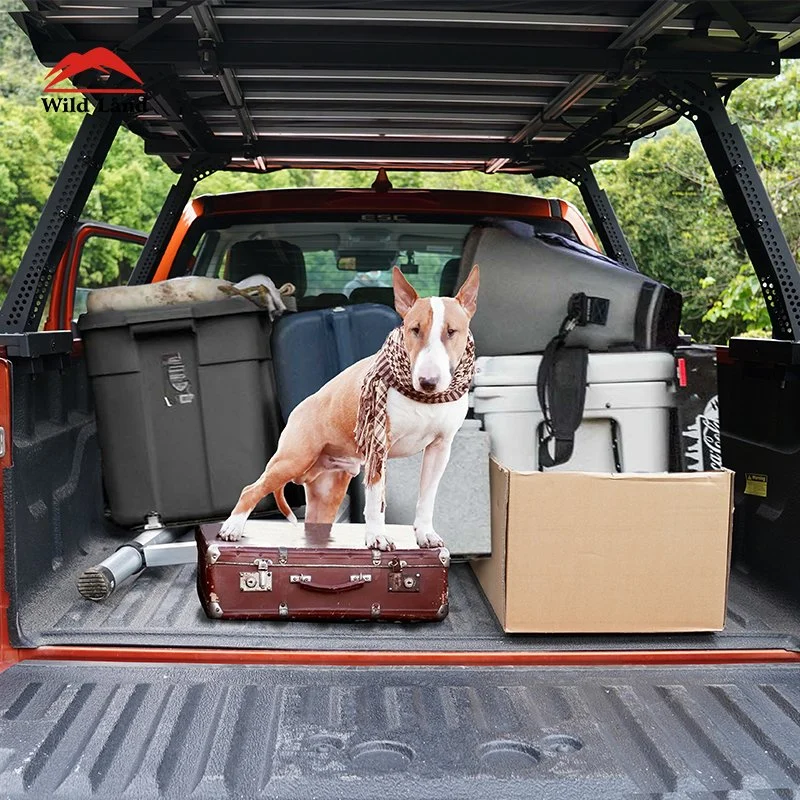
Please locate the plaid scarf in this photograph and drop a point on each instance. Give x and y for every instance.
(392, 368)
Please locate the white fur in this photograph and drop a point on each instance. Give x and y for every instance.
(433, 362)
(416, 426)
(233, 527)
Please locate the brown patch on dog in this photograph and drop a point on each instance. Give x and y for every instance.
(417, 328)
(416, 312)
(454, 331)
(458, 311)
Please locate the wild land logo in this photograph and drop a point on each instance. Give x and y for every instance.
(98, 59)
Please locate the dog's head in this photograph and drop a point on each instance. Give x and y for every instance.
(435, 330)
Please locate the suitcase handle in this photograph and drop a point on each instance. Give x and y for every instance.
(356, 582)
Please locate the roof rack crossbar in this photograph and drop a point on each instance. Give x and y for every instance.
(640, 31)
(156, 25)
(303, 54)
(207, 28)
(177, 109)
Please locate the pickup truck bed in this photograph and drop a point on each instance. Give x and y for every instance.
(159, 731)
(161, 608)
(56, 527)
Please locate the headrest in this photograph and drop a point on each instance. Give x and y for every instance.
(447, 280)
(373, 294)
(324, 300)
(282, 261)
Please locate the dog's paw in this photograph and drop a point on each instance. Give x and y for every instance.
(233, 528)
(428, 538)
(379, 541)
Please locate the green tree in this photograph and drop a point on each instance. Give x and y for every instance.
(768, 113)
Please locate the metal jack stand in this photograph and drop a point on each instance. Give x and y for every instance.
(156, 546)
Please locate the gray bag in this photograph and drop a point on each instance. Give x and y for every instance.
(527, 280)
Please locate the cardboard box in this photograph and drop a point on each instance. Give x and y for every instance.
(576, 552)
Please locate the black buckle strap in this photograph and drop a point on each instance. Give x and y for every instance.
(561, 381)
(587, 310)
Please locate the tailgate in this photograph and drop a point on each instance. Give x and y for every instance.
(84, 730)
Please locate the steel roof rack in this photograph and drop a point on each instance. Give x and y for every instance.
(424, 85)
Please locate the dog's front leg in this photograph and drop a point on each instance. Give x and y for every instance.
(375, 515)
(434, 461)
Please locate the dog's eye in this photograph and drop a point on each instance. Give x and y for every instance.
(415, 330)
(451, 333)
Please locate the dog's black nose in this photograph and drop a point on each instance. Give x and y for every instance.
(427, 384)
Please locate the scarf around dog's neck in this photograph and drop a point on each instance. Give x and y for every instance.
(392, 368)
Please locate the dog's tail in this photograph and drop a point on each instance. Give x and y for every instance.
(283, 506)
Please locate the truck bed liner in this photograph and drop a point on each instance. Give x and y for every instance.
(160, 608)
(160, 731)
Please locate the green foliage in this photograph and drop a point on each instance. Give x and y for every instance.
(665, 195)
(741, 301)
(675, 219)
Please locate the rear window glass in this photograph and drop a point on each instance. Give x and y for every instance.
(340, 257)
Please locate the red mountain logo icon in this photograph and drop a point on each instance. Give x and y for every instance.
(98, 58)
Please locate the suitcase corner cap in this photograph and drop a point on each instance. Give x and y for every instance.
(212, 554)
(444, 556)
(214, 608)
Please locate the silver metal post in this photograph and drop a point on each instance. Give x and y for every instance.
(99, 582)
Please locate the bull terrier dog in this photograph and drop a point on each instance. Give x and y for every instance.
(410, 396)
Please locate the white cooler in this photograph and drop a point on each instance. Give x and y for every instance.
(626, 414)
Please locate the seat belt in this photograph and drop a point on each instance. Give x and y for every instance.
(561, 381)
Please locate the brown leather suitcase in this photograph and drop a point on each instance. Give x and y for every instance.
(284, 571)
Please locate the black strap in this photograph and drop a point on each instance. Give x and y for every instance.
(562, 391)
(561, 382)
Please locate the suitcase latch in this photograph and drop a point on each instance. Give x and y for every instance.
(260, 581)
(400, 581)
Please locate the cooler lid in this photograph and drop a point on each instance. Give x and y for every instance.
(603, 368)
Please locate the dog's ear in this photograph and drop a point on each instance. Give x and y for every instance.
(404, 294)
(468, 294)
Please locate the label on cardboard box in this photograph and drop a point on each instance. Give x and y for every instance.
(755, 484)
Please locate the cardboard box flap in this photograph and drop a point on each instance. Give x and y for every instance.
(491, 572)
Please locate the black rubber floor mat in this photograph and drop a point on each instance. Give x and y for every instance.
(155, 731)
(161, 608)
